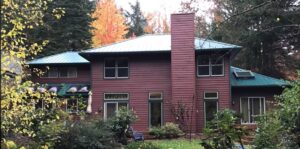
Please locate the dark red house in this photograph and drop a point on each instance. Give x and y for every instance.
(152, 73)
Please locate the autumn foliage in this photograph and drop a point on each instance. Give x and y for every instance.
(108, 25)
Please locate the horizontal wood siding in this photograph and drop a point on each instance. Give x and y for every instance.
(83, 75)
(146, 74)
(183, 60)
(221, 84)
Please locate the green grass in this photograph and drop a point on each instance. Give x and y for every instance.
(177, 144)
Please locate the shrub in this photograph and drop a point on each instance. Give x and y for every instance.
(169, 130)
(282, 128)
(222, 132)
(120, 123)
(141, 145)
(95, 134)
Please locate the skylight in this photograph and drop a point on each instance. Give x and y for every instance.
(243, 74)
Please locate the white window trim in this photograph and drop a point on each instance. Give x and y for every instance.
(249, 116)
(211, 97)
(117, 107)
(116, 69)
(123, 99)
(210, 68)
(217, 102)
(161, 93)
(161, 114)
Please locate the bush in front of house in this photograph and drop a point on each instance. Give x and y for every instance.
(120, 123)
(93, 134)
(169, 130)
(141, 145)
(222, 131)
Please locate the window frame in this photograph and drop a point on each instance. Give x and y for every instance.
(210, 98)
(116, 67)
(248, 108)
(77, 107)
(149, 96)
(116, 101)
(47, 73)
(210, 65)
(68, 73)
(161, 114)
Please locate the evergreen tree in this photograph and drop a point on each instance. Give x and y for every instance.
(267, 30)
(71, 32)
(135, 20)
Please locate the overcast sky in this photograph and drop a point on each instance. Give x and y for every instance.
(163, 6)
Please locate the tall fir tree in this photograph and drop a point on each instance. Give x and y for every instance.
(71, 32)
(267, 30)
(136, 21)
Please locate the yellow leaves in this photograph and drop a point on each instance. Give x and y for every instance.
(109, 25)
(58, 12)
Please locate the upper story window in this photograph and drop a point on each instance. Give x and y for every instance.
(210, 65)
(116, 68)
(70, 72)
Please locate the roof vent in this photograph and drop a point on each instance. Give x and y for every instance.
(243, 74)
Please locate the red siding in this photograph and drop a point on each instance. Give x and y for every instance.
(146, 74)
(183, 59)
(83, 75)
(221, 84)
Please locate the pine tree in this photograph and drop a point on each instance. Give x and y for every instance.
(71, 32)
(135, 21)
(108, 25)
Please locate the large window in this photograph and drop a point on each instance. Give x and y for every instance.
(155, 109)
(210, 65)
(251, 108)
(113, 102)
(116, 68)
(210, 105)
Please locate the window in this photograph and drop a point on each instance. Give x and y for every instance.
(52, 73)
(75, 104)
(70, 72)
(210, 95)
(210, 65)
(251, 108)
(113, 102)
(210, 105)
(116, 68)
(155, 109)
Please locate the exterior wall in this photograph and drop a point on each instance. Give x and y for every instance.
(146, 74)
(83, 75)
(267, 92)
(183, 60)
(221, 84)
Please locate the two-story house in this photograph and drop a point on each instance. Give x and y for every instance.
(152, 73)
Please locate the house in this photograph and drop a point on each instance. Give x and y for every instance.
(152, 73)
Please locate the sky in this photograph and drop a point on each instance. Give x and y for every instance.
(163, 6)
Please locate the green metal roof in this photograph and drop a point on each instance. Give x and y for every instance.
(258, 80)
(69, 57)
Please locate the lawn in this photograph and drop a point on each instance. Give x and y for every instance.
(177, 144)
(168, 144)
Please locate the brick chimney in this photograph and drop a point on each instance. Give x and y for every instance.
(183, 68)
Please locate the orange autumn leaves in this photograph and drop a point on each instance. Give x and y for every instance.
(108, 25)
